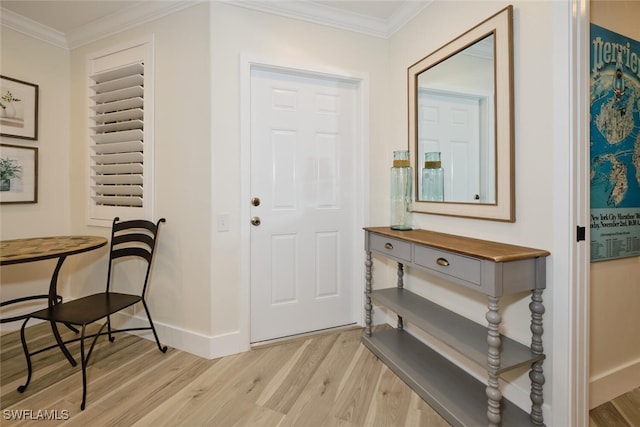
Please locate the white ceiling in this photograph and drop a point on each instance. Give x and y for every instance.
(383, 9)
(75, 22)
(66, 16)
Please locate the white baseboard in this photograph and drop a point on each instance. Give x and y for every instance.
(209, 347)
(611, 384)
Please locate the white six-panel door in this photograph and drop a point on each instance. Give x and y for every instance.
(450, 124)
(303, 130)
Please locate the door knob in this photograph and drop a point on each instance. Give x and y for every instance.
(255, 221)
(255, 201)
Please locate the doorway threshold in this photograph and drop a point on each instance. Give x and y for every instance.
(305, 335)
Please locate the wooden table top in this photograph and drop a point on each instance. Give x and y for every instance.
(41, 248)
(485, 249)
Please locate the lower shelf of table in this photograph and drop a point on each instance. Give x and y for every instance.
(454, 394)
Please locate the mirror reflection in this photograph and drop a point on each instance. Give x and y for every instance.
(461, 133)
(455, 141)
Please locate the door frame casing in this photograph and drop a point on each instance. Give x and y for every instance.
(580, 285)
(249, 62)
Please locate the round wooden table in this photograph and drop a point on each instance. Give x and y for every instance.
(41, 248)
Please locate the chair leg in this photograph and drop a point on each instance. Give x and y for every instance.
(68, 325)
(111, 337)
(153, 329)
(71, 327)
(83, 361)
(23, 387)
(63, 347)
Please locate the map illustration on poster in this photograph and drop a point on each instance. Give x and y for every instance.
(615, 145)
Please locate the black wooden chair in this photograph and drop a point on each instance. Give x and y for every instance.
(129, 239)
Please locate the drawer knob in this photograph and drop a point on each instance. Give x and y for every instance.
(443, 262)
(388, 246)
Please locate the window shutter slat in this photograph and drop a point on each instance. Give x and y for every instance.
(117, 84)
(118, 147)
(120, 158)
(126, 168)
(118, 201)
(106, 138)
(122, 104)
(118, 190)
(117, 126)
(132, 179)
(118, 116)
(116, 95)
(117, 142)
(117, 73)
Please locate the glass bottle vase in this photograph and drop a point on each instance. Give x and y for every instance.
(401, 191)
(432, 178)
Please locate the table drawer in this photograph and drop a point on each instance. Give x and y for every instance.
(391, 247)
(459, 266)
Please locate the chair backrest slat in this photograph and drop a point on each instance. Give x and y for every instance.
(125, 252)
(136, 223)
(133, 238)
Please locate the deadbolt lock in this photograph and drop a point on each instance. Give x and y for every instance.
(255, 201)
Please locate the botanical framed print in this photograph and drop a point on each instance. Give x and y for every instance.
(18, 109)
(18, 174)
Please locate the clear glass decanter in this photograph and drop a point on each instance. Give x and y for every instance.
(401, 191)
(432, 178)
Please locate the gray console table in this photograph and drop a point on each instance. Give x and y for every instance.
(491, 268)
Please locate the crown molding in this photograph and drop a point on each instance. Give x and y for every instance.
(338, 18)
(111, 24)
(155, 9)
(32, 28)
(406, 13)
(123, 20)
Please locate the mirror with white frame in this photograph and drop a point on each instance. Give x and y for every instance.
(461, 106)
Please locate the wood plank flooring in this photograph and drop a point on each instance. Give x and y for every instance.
(320, 380)
(623, 411)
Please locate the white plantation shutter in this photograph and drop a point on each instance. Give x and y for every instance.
(120, 133)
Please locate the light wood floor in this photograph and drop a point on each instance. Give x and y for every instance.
(623, 411)
(321, 380)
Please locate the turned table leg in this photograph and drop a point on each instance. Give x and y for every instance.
(367, 294)
(494, 396)
(536, 375)
(400, 285)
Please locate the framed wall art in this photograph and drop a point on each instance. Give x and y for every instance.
(18, 109)
(18, 174)
(614, 145)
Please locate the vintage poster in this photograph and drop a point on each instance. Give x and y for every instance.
(615, 145)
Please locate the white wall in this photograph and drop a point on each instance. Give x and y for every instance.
(47, 66)
(197, 278)
(236, 31)
(180, 290)
(536, 149)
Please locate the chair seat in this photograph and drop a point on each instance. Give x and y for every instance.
(87, 309)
